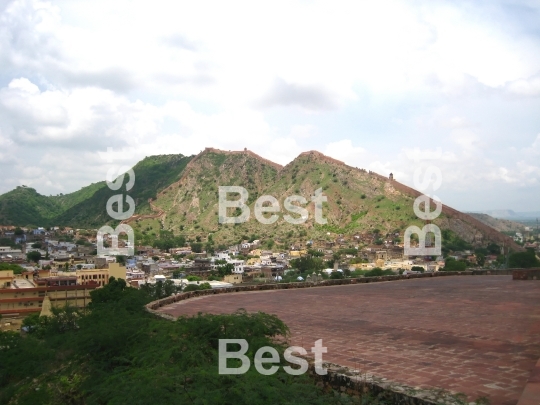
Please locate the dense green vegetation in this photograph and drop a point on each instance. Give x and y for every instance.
(523, 259)
(152, 175)
(24, 206)
(8, 266)
(307, 264)
(452, 242)
(76, 358)
(451, 264)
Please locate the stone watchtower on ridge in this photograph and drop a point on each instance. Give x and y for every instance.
(391, 177)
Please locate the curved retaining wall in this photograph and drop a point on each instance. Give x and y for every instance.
(152, 306)
(335, 379)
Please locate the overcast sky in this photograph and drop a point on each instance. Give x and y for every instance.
(378, 84)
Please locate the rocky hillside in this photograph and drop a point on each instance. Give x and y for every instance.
(501, 225)
(358, 201)
(180, 194)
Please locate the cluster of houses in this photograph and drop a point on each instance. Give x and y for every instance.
(69, 268)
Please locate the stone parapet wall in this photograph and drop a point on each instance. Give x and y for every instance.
(526, 274)
(154, 305)
(366, 388)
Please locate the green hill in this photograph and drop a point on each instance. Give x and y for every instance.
(25, 206)
(87, 207)
(358, 202)
(180, 194)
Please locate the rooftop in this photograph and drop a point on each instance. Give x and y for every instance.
(471, 334)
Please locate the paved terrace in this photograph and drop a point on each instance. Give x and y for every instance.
(479, 335)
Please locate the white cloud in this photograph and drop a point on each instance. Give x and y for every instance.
(303, 131)
(366, 82)
(345, 151)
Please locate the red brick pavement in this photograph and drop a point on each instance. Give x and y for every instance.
(479, 335)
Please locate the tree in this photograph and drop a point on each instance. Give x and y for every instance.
(315, 253)
(417, 268)
(377, 271)
(452, 264)
(196, 247)
(523, 259)
(169, 288)
(111, 292)
(197, 287)
(307, 264)
(14, 267)
(493, 249)
(33, 256)
(225, 269)
(19, 231)
(480, 259)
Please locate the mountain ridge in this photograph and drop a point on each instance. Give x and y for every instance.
(179, 193)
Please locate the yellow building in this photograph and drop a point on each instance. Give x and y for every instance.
(25, 297)
(297, 253)
(117, 271)
(100, 276)
(233, 278)
(6, 277)
(21, 296)
(253, 261)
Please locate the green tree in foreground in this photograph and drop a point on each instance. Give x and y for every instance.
(117, 353)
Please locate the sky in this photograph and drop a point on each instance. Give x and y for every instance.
(389, 86)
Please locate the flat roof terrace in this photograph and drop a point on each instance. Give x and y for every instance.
(479, 335)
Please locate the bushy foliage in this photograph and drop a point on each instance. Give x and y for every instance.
(33, 256)
(307, 264)
(451, 264)
(451, 242)
(117, 353)
(197, 287)
(523, 259)
(377, 272)
(8, 266)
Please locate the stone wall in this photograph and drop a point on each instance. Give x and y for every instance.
(342, 380)
(366, 388)
(152, 306)
(526, 274)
